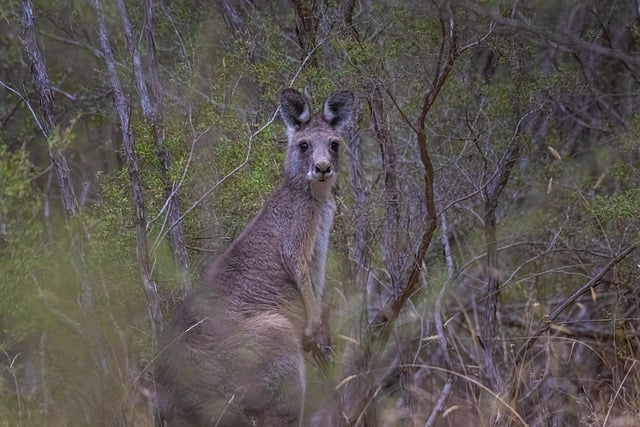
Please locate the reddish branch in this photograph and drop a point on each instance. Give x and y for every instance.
(43, 85)
(358, 391)
(131, 159)
(446, 58)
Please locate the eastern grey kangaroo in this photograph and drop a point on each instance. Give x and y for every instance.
(233, 355)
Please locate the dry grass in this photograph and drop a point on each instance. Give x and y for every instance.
(91, 369)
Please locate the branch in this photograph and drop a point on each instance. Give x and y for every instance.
(595, 281)
(28, 104)
(447, 56)
(567, 42)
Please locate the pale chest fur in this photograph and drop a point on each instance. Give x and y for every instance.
(317, 263)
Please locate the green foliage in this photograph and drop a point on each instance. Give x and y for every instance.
(111, 219)
(617, 206)
(242, 195)
(20, 251)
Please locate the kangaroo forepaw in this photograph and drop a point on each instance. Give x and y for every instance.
(317, 343)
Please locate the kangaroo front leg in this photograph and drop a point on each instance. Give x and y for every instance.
(316, 336)
(313, 308)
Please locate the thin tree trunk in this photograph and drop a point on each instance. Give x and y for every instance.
(56, 153)
(393, 254)
(307, 22)
(131, 160)
(394, 249)
(151, 103)
(356, 174)
(43, 85)
(233, 15)
(443, 344)
(489, 331)
(360, 253)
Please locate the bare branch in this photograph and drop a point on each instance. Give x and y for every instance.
(28, 104)
(593, 282)
(565, 42)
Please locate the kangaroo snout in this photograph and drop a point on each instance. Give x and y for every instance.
(322, 170)
(323, 166)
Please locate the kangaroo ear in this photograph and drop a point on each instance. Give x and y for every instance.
(294, 109)
(337, 109)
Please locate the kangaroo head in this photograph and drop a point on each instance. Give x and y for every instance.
(314, 139)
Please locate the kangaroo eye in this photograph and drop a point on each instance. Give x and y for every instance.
(335, 145)
(303, 146)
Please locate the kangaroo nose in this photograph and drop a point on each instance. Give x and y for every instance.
(323, 167)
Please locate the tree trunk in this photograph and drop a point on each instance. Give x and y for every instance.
(43, 85)
(360, 252)
(307, 21)
(489, 331)
(392, 239)
(131, 160)
(151, 103)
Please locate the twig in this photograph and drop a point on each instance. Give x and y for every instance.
(27, 103)
(606, 418)
(595, 280)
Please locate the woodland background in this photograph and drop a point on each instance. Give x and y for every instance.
(483, 266)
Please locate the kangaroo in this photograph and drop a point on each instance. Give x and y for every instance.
(234, 353)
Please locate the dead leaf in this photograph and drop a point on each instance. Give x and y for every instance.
(554, 152)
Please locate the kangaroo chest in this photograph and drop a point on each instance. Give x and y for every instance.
(320, 245)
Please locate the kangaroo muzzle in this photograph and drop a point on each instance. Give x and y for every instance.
(321, 170)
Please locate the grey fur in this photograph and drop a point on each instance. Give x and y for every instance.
(233, 355)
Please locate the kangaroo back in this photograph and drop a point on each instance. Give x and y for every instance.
(233, 355)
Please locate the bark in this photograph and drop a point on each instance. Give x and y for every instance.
(151, 103)
(123, 109)
(360, 253)
(489, 330)
(392, 247)
(233, 15)
(307, 21)
(43, 86)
